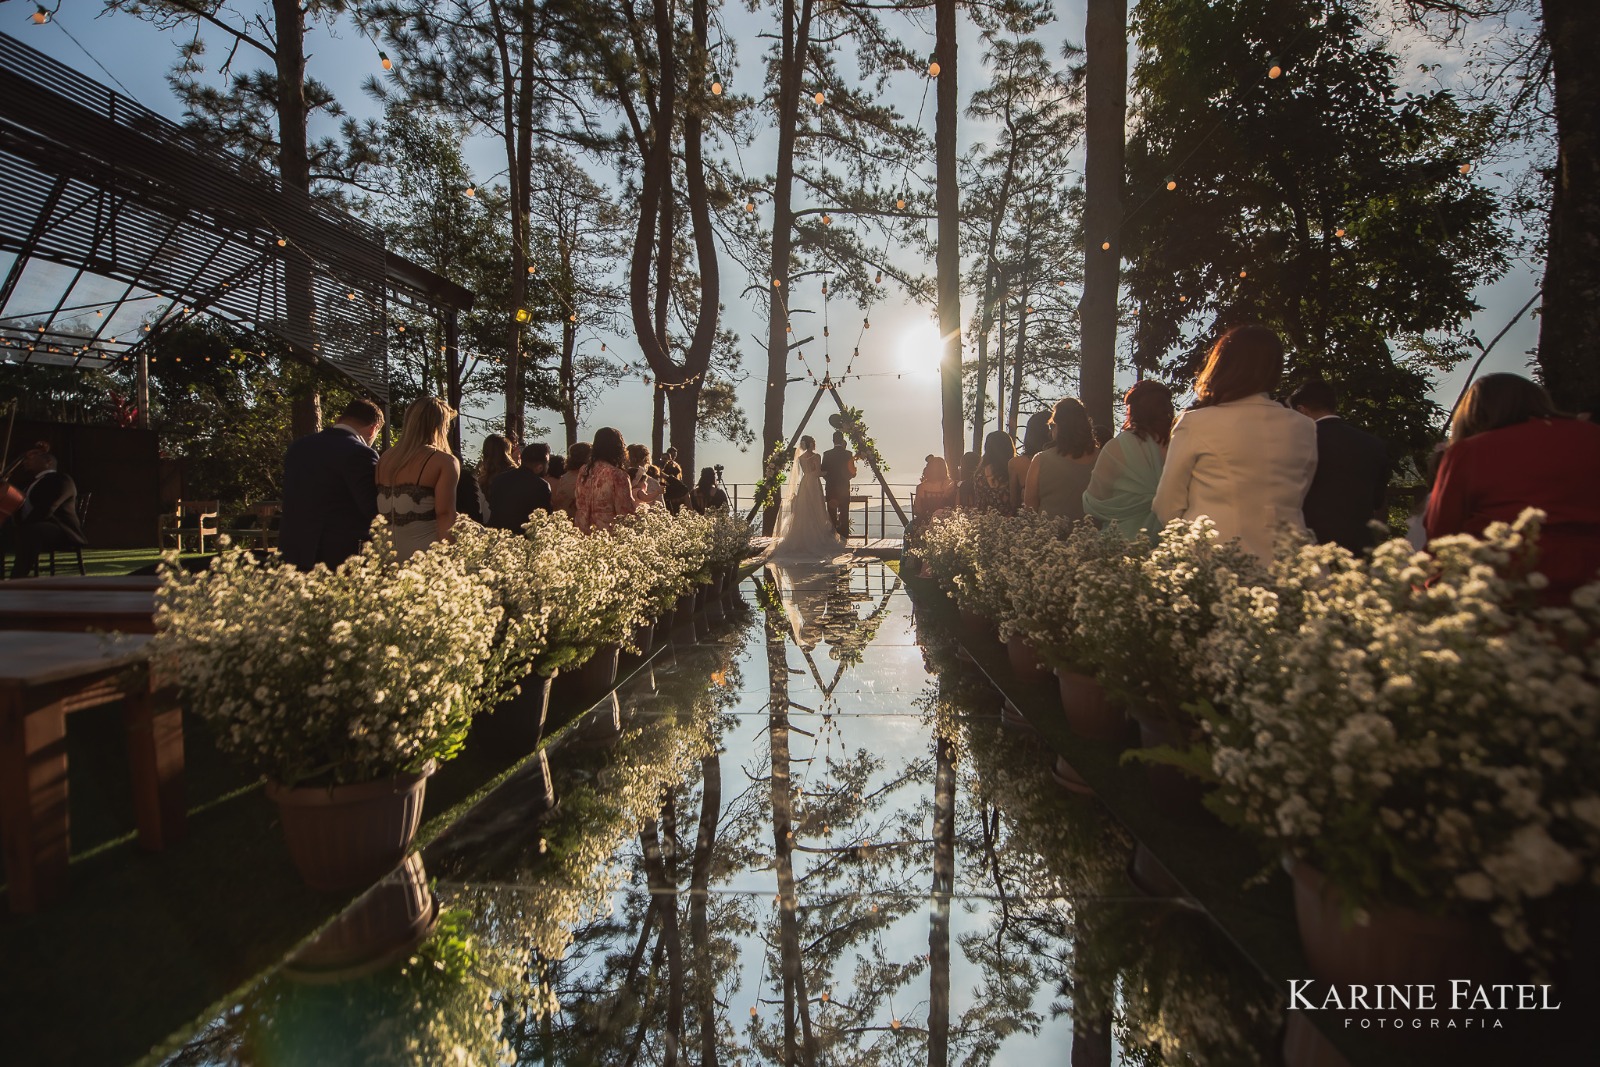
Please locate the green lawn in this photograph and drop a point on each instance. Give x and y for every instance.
(106, 561)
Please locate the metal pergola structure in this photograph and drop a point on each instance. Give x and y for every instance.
(118, 222)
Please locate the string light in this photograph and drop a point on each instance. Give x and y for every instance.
(1105, 246)
(716, 88)
(40, 16)
(827, 220)
(777, 283)
(1274, 71)
(532, 269)
(879, 279)
(1466, 168)
(1172, 183)
(1183, 299)
(820, 97)
(1339, 232)
(472, 191)
(750, 205)
(523, 315)
(894, 1024)
(282, 242)
(383, 58)
(900, 203)
(933, 69)
(1242, 273)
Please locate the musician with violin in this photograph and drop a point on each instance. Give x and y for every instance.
(42, 515)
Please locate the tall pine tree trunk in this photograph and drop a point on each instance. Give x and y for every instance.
(1569, 331)
(948, 208)
(1105, 107)
(294, 168)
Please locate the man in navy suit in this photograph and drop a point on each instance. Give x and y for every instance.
(1348, 490)
(329, 496)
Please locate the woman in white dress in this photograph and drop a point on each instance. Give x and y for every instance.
(417, 479)
(804, 529)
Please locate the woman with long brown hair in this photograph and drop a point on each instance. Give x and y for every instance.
(1511, 449)
(1059, 474)
(417, 478)
(1129, 467)
(1238, 456)
(604, 489)
(991, 483)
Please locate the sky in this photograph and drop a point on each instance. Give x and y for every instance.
(898, 392)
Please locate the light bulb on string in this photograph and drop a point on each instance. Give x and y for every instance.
(1243, 273)
(750, 205)
(878, 280)
(1183, 299)
(777, 283)
(1274, 71)
(1466, 168)
(1339, 232)
(716, 88)
(383, 58)
(40, 16)
(1172, 183)
(894, 1024)
(282, 242)
(1105, 246)
(532, 269)
(933, 68)
(900, 203)
(821, 97)
(472, 191)
(827, 220)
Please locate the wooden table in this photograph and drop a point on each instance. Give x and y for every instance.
(105, 583)
(44, 677)
(79, 610)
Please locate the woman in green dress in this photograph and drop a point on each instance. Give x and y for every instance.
(1129, 467)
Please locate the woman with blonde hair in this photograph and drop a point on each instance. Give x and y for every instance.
(417, 479)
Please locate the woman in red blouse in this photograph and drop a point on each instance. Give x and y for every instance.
(1509, 450)
(604, 489)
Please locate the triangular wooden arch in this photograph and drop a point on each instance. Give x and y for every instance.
(827, 388)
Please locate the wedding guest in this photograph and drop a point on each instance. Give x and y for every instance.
(991, 485)
(604, 490)
(519, 490)
(670, 467)
(646, 484)
(936, 492)
(554, 473)
(1058, 476)
(708, 495)
(329, 497)
(966, 486)
(417, 479)
(1509, 450)
(1351, 486)
(1237, 455)
(564, 494)
(1036, 439)
(498, 457)
(675, 494)
(1129, 467)
(1102, 434)
(48, 518)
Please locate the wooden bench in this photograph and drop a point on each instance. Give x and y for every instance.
(78, 610)
(44, 677)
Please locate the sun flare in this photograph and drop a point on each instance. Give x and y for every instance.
(920, 347)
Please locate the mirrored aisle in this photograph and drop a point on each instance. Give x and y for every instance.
(806, 838)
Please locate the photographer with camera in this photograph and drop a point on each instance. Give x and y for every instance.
(708, 495)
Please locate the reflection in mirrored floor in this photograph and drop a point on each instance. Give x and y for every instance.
(805, 840)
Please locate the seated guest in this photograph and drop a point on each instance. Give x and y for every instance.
(604, 489)
(1510, 449)
(992, 485)
(1036, 438)
(499, 456)
(1059, 475)
(670, 467)
(646, 486)
(1350, 487)
(675, 494)
(969, 471)
(1128, 470)
(557, 468)
(48, 518)
(519, 490)
(329, 495)
(708, 495)
(935, 490)
(417, 479)
(564, 494)
(1238, 456)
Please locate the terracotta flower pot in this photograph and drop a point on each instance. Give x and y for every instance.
(387, 922)
(348, 836)
(1089, 715)
(518, 723)
(978, 625)
(1026, 666)
(1398, 945)
(586, 684)
(683, 616)
(644, 635)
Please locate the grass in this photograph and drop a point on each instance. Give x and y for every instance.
(104, 562)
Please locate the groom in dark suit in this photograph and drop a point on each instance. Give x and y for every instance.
(838, 467)
(329, 496)
(1348, 490)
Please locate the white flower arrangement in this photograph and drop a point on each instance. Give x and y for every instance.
(1412, 728)
(1042, 583)
(1143, 617)
(333, 676)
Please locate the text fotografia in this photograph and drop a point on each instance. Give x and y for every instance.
(1460, 995)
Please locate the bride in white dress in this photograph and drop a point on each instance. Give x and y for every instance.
(804, 531)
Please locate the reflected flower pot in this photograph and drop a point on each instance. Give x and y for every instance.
(348, 836)
(586, 684)
(683, 619)
(387, 922)
(1088, 713)
(644, 636)
(1177, 795)
(518, 724)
